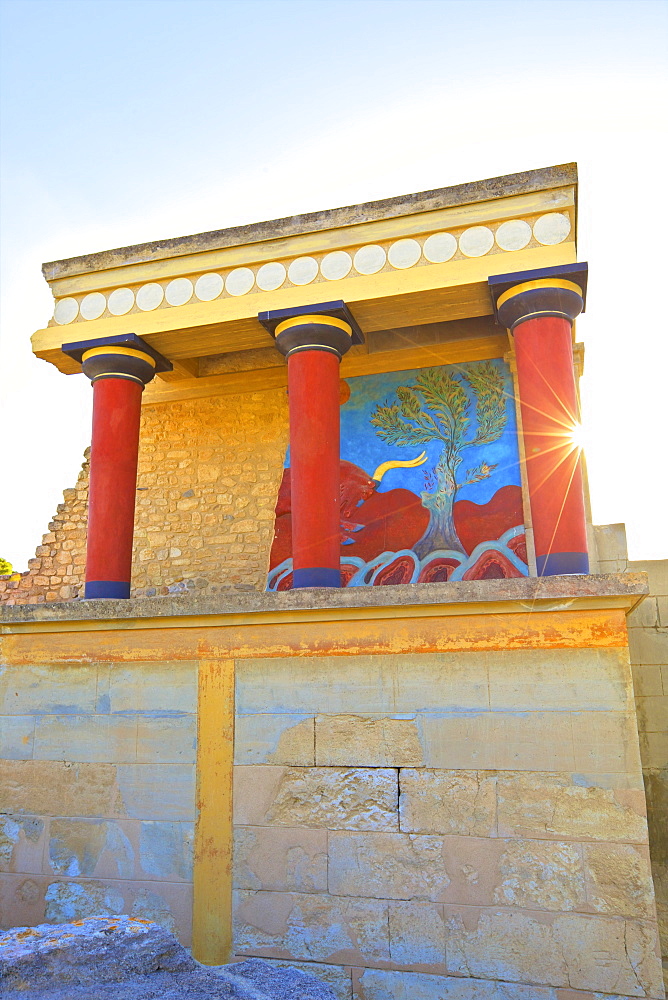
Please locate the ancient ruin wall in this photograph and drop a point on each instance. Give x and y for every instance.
(209, 472)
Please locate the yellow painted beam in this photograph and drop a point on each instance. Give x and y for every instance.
(262, 379)
(213, 851)
(305, 635)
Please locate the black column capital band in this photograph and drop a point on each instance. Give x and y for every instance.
(327, 326)
(122, 356)
(548, 291)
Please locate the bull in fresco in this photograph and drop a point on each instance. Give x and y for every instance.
(357, 486)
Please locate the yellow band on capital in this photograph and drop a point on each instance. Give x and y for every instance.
(528, 286)
(287, 324)
(112, 349)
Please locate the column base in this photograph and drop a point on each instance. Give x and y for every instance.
(106, 588)
(563, 564)
(317, 576)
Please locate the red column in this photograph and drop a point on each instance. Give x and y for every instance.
(118, 367)
(540, 314)
(313, 388)
(314, 339)
(113, 486)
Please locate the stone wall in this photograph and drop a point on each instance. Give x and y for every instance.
(648, 647)
(410, 818)
(97, 787)
(209, 472)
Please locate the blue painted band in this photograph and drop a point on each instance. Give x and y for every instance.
(318, 576)
(562, 564)
(106, 588)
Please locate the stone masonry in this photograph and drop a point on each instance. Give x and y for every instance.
(209, 472)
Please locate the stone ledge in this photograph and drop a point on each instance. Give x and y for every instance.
(526, 181)
(555, 593)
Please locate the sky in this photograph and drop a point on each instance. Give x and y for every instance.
(126, 121)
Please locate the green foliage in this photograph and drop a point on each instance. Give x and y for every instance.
(5, 567)
(408, 423)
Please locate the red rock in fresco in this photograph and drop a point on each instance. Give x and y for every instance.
(518, 545)
(476, 523)
(396, 520)
(400, 570)
(438, 570)
(491, 565)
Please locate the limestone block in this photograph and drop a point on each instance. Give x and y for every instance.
(16, 737)
(657, 571)
(387, 866)
(60, 689)
(280, 859)
(654, 749)
(605, 741)
(417, 935)
(555, 806)
(662, 608)
(647, 680)
(21, 843)
(522, 741)
(337, 977)
(78, 900)
(91, 847)
(168, 904)
(611, 541)
(167, 688)
(619, 880)
(648, 645)
(451, 802)
(311, 927)
(274, 739)
(48, 788)
(653, 713)
(646, 614)
(374, 685)
(559, 679)
(366, 741)
(157, 791)
(576, 950)
(543, 874)
(22, 899)
(166, 850)
(92, 738)
(167, 740)
(379, 984)
(334, 798)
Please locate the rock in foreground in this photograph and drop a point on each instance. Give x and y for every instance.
(113, 958)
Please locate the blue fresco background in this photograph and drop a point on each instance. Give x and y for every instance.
(361, 444)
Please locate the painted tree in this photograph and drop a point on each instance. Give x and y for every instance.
(438, 408)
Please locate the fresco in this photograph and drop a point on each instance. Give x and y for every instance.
(430, 480)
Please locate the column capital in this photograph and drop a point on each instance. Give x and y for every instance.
(122, 356)
(549, 291)
(325, 326)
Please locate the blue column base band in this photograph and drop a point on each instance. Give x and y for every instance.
(562, 564)
(318, 576)
(106, 588)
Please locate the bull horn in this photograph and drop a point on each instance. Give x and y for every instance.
(386, 466)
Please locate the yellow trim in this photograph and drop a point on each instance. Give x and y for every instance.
(288, 324)
(212, 869)
(94, 352)
(528, 286)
